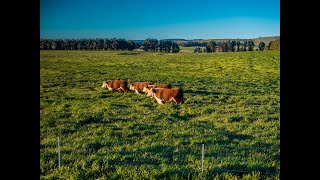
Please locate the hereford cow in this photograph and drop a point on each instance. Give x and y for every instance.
(115, 85)
(163, 95)
(147, 89)
(138, 86)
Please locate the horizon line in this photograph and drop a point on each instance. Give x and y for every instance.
(162, 38)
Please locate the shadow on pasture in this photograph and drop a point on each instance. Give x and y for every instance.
(177, 117)
(89, 119)
(150, 106)
(113, 119)
(221, 136)
(121, 106)
(202, 92)
(164, 151)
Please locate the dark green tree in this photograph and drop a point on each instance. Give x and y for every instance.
(244, 46)
(114, 44)
(238, 45)
(233, 46)
(208, 49)
(269, 45)
(175, 48)
(197, 50)
(107, 44)
(250, 45)
(131, 45)
(149, 44)
(224, 46)
(261, 45)
(212, 44)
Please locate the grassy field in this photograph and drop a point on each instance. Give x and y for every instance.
(232, 105)
(189, 49)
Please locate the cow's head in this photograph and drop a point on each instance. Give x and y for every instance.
(104, 85)
(131, 87)
(146, 89)
(151, 92)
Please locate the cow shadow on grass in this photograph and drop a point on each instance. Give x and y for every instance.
(175, 117)
(204, 92)
(201, 92)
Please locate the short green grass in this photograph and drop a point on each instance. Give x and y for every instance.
(232, 105)
(189, 49)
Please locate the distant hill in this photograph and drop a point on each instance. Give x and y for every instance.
(265, 39)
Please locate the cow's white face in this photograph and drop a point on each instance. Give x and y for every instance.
(150, 93)
(145, 90)
(131, 87)
(104, 85)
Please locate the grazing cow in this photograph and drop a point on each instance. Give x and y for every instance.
(163, 95)
(115, 85)
(147, 89)
(138, 86)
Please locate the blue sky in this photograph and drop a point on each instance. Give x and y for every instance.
(160, 19)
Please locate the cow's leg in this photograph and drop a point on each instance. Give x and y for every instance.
(123, 90)
(172, 99)
(159, 101)
(137, 91)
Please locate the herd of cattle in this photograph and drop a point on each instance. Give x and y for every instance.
(161, 92)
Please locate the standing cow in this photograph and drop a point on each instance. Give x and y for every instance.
(138, 86)
(163, 95)
(115, 85)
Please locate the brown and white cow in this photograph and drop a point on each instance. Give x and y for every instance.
(163, 95)
(115, 85)
(138, 86)
(147, 89)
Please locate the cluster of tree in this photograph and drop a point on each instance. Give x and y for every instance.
(87, 44)
(227, 46)
(108, 44)
(162, 46)
(274, 45)
(193, 43)
(261, 46)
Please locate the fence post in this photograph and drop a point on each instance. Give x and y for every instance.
(58, 151)
(202, 158)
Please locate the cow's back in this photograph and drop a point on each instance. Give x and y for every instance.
(167, 94)
(139, 85)
(162, 86)
(117, 84)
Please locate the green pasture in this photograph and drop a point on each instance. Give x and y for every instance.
(232, 106)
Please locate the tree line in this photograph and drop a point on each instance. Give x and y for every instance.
(233, 46)
(161, 46)
(87, 44)
(193, 43)
(108, 44)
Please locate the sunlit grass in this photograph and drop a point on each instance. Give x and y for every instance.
(232, 105)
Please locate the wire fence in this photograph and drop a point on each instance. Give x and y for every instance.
(210, 158)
